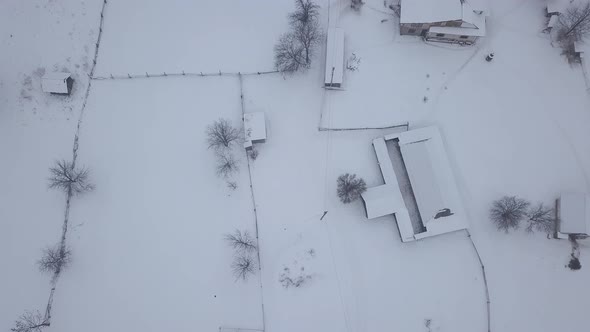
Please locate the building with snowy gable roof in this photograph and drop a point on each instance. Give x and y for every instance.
(453, 21)
(57, 83)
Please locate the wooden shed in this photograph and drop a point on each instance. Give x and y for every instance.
(57, 83)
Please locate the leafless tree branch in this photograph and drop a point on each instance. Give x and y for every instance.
(226, 164)
(71, 180)
(241, 241)
(54, 259)
(508, 211)
(349, 188)
(30, 322)
(242, 266)
(221, 134)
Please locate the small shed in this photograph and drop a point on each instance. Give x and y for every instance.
(334, 58)
(57, 83)
(574, 213)
(254, 128)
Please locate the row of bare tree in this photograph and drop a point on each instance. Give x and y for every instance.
(73, 181)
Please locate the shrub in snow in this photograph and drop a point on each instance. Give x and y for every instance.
(221, 134)
(349, 188)
(54, 259)
(289, 279)
(70, 179)
(226, 164)
(30, 322)
(353, 63)
(253, 154)
(574, 263)
(243, 266)
(232, 185)
(541, 219)
(295, 48)
(241, 241)
(508, 211)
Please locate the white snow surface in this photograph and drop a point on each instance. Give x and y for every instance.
(148, 250)
(430, 11)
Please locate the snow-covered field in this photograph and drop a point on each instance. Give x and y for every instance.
(148, 250)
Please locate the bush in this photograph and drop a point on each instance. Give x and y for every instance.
(349, 188)
(574, 263)
(508, 212)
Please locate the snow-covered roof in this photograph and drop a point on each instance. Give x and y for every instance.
(429, 11)
(334, 56)
(574, 213)
(556, 6)
(578, 47)
(387, 199)
(432, 181)
(55, 82)
(254, 126)
(552, 21)
(425, 185)
(381, 201)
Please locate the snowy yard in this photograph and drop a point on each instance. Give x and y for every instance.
(148, 248)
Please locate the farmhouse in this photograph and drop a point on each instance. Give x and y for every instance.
(433, 192)
(57, 83)
(254, 129)
(573, 214)
(453, 21)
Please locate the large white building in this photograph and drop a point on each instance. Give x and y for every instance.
(433, 187)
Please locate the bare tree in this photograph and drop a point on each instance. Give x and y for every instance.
(541, 219)
(241, 241)
(295, 48)
(305, 11)
(289, 54)
(242, 266)
(54, 259)
(226, 164)
(308, 34)
(221, 134)
(349, 188)
(508, 211)
(30, 322)
(72, 180)
(574, 23)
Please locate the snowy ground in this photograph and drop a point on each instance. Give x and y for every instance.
(35, 130)
(148, 249)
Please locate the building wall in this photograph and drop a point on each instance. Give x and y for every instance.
(420, 29)
(451, 38)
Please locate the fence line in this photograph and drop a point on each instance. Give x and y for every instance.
(69, 194)
(254, 208)
(181, 74)
(407, 124)
(485, 280)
